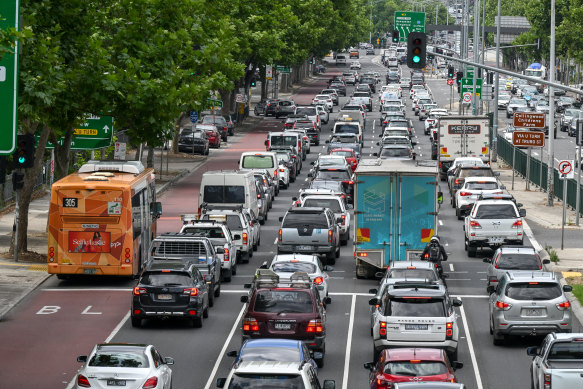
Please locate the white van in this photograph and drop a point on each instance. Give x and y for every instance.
(341, 59)
(348, 127)
(229, 187)
(261, 161)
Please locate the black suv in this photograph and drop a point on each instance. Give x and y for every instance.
(170, 289)
(289, 310)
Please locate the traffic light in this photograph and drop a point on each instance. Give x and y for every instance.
(253, 82)
(17, 180)
(458, 77)
(311, 60)
(23, 156)
(450, 72)
(416, 50)
(378, 41)
(396, 36)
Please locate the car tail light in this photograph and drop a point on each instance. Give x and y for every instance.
(465, 193)
(244, 238)
(329, 236)
(502, 305)
(138, 291)
(279, 235)
(547, 380)
(383, 384)
(299, 145)
(275, 173)
(318, 280)
(82, 381)
(448, 330)
(150, 383)
(343, 219)
(474, 224)
(383, 329)
(315, 326)
(190, 291)
(226, 255)
(281, 170)
(564, 306)
(458, 181)
(250, 324)
(517, 224)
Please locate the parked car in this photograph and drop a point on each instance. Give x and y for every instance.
(193, 141)
(219, 122)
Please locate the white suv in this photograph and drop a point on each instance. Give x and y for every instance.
(493, 221)
(471, 190)
(247, 374)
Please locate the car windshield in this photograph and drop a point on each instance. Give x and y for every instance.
(481, 185)
(258, 161)
(332, 175)
(106, 358)
(533, 290)
(518, 262)
(292, 267)
(332, 203)
(566, 351)
(165, 279)
(283, 301)
(266, 381)
(311, 220)
(496, 211)
(395, 152)
(207, 232)
(281, 354)
(415, 368)
(413, 273)
(415, 307)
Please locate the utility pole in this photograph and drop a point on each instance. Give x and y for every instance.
(474, 52)
(552, 68)
(494, 155)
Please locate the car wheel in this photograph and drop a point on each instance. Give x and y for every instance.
(205, 312)
(211, 299)
(218, 291)
(458, 214)
(197, 322)
(320, 362)
(375, 354)
(227, 276)
(330, 258)
(472, 250)
(491, 326)
(453, 355)
(254, 247)
(337, 254)
(136, 322)
(497, 339)
(331, 110)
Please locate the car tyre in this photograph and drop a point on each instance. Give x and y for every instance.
(497, 339)
(330, 258)
(472, 251)
(228, 275)
(453, 355)
(218, 291)
(197, 322)
(136, 322)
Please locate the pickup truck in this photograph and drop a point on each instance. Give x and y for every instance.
(362, 98)
(190, 248)
(558, 363)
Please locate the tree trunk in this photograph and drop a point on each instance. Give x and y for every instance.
(150, 158)
(62, 154)
(263, 82)
(176, 135)
(25, 194)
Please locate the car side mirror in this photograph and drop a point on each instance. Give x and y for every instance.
(374, 301)
(157, 209)
(328, 268)
(232, 354)
(281, 218)
(169, 360)
(414, 143)
(457, 365)
(546, 261)
(221, 382)
(265, 142)
(496, 174)
(327, 300)
(244, 299)
(312, 163)
(310, 174)
(380, 136)
(456, 302)
(329, 384)
(378, 143)
(369, 366)
(375, 154)
(567, 288)
(327, 141)
(236, 237)
(522, 212)
(502, 187)
(532, 351)
(247, 286)
(373, 291)
(339, 220)
(490, 289)
(82, 358)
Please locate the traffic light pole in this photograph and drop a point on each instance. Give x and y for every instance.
(16, 210)
(494, 155)
(551, 124)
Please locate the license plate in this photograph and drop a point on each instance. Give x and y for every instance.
(496, 240)
(89, 271)
(116, 383)
(164, 297)
(282, 326)
(304, 248)
(532, 312)
(416, 327)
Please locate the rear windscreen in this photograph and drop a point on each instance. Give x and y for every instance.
(292, 267)
(346, 129)
(566, 351)
(313, 220)
(332, 175)
(310, 111)
(413, 273)
(232, 221)
(496, 211)
(266, 381)
(415, 307)
(333, 204)
(398, 123)
(284, 140)
(415, 368)
(481, 185)
(395, 152)
(533, 290)
(476, 173)
(518, 262)
(166, 279)
(259, 161)
(206, 232)
(287, 301)
(214, 194)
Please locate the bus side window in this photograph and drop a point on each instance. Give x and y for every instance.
(137, 214)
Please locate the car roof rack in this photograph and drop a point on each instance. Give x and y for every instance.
(416, 285)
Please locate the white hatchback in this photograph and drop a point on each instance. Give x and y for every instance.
(284, 265)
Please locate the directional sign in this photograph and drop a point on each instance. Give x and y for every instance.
(95, 132)
(528, 138)
(450, 81)
(467, 97)
(406, 22)
(529, 119)
(470, 72)
(468, 86)
(9, 18)
(566, 169)
(194, 116)
(215, 103)
(283, 69)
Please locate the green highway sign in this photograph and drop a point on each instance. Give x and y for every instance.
(468, 86)
(95, 133)
(215, 103)
(406, 22)
(9, 18)
(470, 72)
(283, 69)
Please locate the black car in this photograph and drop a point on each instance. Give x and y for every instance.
(219, 122)
(339, 86)
(193, 141)
(170, 289)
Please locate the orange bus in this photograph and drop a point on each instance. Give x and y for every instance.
(102, 220)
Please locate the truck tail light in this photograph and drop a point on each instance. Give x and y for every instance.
(250, 324)
(279, 235)
(127, 256)
(139, 291)
(449, 330)
(315, 326)
(474, 224)
(517, 224)
(82, 381)
(329, 236)
(383, 329)
(244, 238)
(502, 306)
(226, 255)
(190, 291)
(51, 254)
(564, 306)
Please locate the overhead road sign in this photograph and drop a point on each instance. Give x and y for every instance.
(566, 170)
(95, 132)
(467, 85)
(529, 120)
(215, 103)
(283, 69)
(407, 22)
(9, 80)
(528, 138)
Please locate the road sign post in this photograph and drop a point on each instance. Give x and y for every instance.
(407, 22)
(9, 10)
(566, 171)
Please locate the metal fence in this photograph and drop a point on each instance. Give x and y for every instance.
(538, 173)
(43, 179)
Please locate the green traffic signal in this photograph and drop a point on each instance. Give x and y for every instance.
(21, 160)
(416, 59)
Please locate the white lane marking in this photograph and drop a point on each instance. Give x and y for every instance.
(275, 241)
(451, 267)
(224, 349)
(348, 344)
(471, 347)
(537, 246)
(107, 340)
(440, 222)
(459, 279)
(470, 296)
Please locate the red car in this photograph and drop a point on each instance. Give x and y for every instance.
(411, 365)
(214, 138)
(348, 154)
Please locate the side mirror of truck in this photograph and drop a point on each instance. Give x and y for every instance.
(567, 288)
(221, 382)
(294, 198)
(503, 187)
(281, 218)
(546, 261)
(522, 212)
(220, 250)
(532, 351)
(265, 142)
(375, 154)
(486, 260)
(496, 174)
(327, 300)
(329, 384)
(232, 354)
(369, 366)
(440, 197)
(310, 174)
(378, 143)
(457, 365)
(327, 141)
(157, 209)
